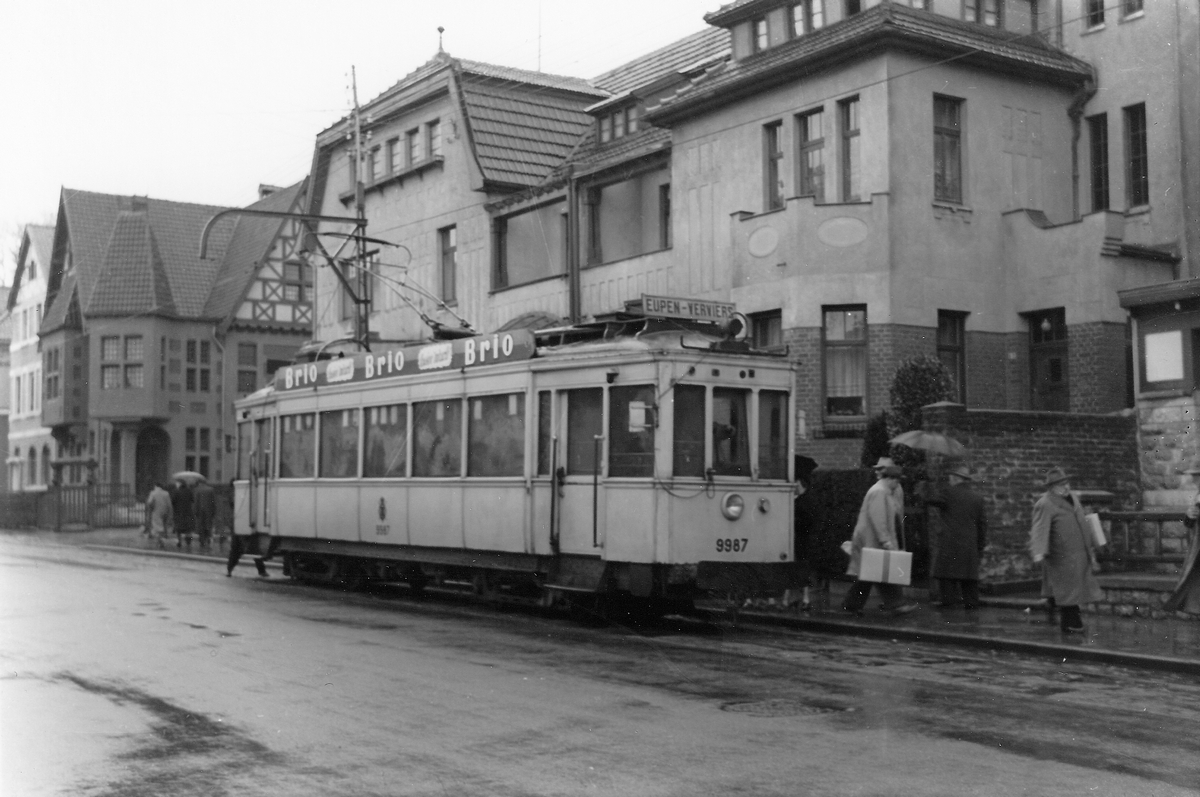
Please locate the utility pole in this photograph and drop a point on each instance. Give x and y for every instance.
(362, 307)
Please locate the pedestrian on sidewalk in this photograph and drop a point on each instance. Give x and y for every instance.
(185, 513)
(1186, 596)
(1061, 540)
(161, 513)
(880, 525)
(961, 537)
(204, 499)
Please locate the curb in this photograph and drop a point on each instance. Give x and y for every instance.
(1045, 649)
(248, 559)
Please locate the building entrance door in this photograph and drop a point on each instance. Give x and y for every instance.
(152, 459)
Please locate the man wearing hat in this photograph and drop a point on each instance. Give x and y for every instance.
(962, 535)
(880, 525)
(1060, 540)
(1186, 596)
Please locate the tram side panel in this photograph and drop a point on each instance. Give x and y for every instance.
(383, 514)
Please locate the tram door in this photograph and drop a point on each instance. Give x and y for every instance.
(260, 474)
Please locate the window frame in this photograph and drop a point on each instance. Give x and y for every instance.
(1093, 14)
(1098, 167)
(448, 263)
(810, 181)
(948, 150)
(760, 34)
(803, 15)
(954, 349)
(1137, 156)
(829, 345)
(773, 193)
(850, 162)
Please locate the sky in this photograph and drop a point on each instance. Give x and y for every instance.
(202, 102)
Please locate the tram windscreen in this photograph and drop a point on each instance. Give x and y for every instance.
(689, 430)
(585, 420)
(730, 430)
(631, 431)
(772, 434)
(496, 435)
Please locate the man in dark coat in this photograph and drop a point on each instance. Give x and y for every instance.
(185, 513)
(204, 498)
(962, 535)
(1061, 540)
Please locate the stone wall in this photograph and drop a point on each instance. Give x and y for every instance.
(1170, 440)
(1010, 453)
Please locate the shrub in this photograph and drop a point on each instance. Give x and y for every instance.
(918, 381)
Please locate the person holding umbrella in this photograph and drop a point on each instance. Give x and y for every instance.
(961, 537)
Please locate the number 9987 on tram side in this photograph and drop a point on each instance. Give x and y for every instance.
(643, 457)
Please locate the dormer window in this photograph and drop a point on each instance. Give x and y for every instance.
(761, 38)
(985, 11)
(807, 16)
(619, 123)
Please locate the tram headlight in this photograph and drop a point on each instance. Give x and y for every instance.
(732, 506)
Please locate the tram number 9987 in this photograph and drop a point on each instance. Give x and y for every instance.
(732, 545)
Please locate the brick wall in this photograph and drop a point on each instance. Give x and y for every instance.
(1010, 453)
(1097, 367)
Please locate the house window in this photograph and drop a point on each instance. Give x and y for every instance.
(853, 7)
(134, 376)
(110, 348)
(247, 377)
(1049, 385)
(985, 11)
(433, 135)
(395, 156)
(664, 216)
(372, 167)
(807, 16)
(448, 238)
(605, 129)
(413, 146)
(1098, 143)
(133, 347)
(1137, 163)
(772, 161)
(947, 149)
(761, 40)
(530, 245)
(1094, 13)
(951, 349)
(53, 364)
(845, 354)
(851, 149)
(766, 329)
(297, 281)
(921, 4)
(810, 135)
(1131, 7)
(618, 124)
(110, 377)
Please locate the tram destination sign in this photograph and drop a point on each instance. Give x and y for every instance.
(694, 309)
(447, 355)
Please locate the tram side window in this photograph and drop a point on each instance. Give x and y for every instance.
(772, 434)
(631, 431)
(689, 430)
(437, 438)
(544, 426)
(731, 432)
(297, 446)
(585, 420)
(339, 444)
(245, 447)
(496, 435)
(385, 441)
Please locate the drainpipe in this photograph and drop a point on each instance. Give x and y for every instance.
(574, 304)
(1075, 111)
(221, 413)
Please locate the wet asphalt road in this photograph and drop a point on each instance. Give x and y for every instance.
(125, 676)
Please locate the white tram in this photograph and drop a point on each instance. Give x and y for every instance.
(641, 456)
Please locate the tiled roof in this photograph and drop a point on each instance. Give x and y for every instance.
(6, 316)
(738, 10)
(543, 79)
(703, 45)
(520, 135)
(40, 239)
(595, 158)
(132, 277)
(863, 33)
(251, 240)
(55, 314)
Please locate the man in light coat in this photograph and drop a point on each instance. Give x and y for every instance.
(961, 537)
(161, 514)
(1061, 540)
(880, 524)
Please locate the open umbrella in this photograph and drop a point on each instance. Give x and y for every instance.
(189, 477)
(934, 442)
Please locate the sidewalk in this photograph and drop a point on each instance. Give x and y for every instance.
(1011, 623)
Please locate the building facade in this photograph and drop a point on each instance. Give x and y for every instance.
(145, 345)
(868, 181)
(30, 445)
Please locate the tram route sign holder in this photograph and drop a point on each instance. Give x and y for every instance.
(427, 358)
(690, 309)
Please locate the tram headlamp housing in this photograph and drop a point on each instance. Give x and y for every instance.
(732, 506)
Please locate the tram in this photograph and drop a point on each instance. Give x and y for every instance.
(647, 455)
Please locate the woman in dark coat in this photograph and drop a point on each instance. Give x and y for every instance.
(1061, 540)
(961, 537)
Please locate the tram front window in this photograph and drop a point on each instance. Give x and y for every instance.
(730, 431)
(339, 444)
(385, 441)
(297, 446)
(496, 436)
(437, 438)
(631, 431)
(772, 434)
(689, 430)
